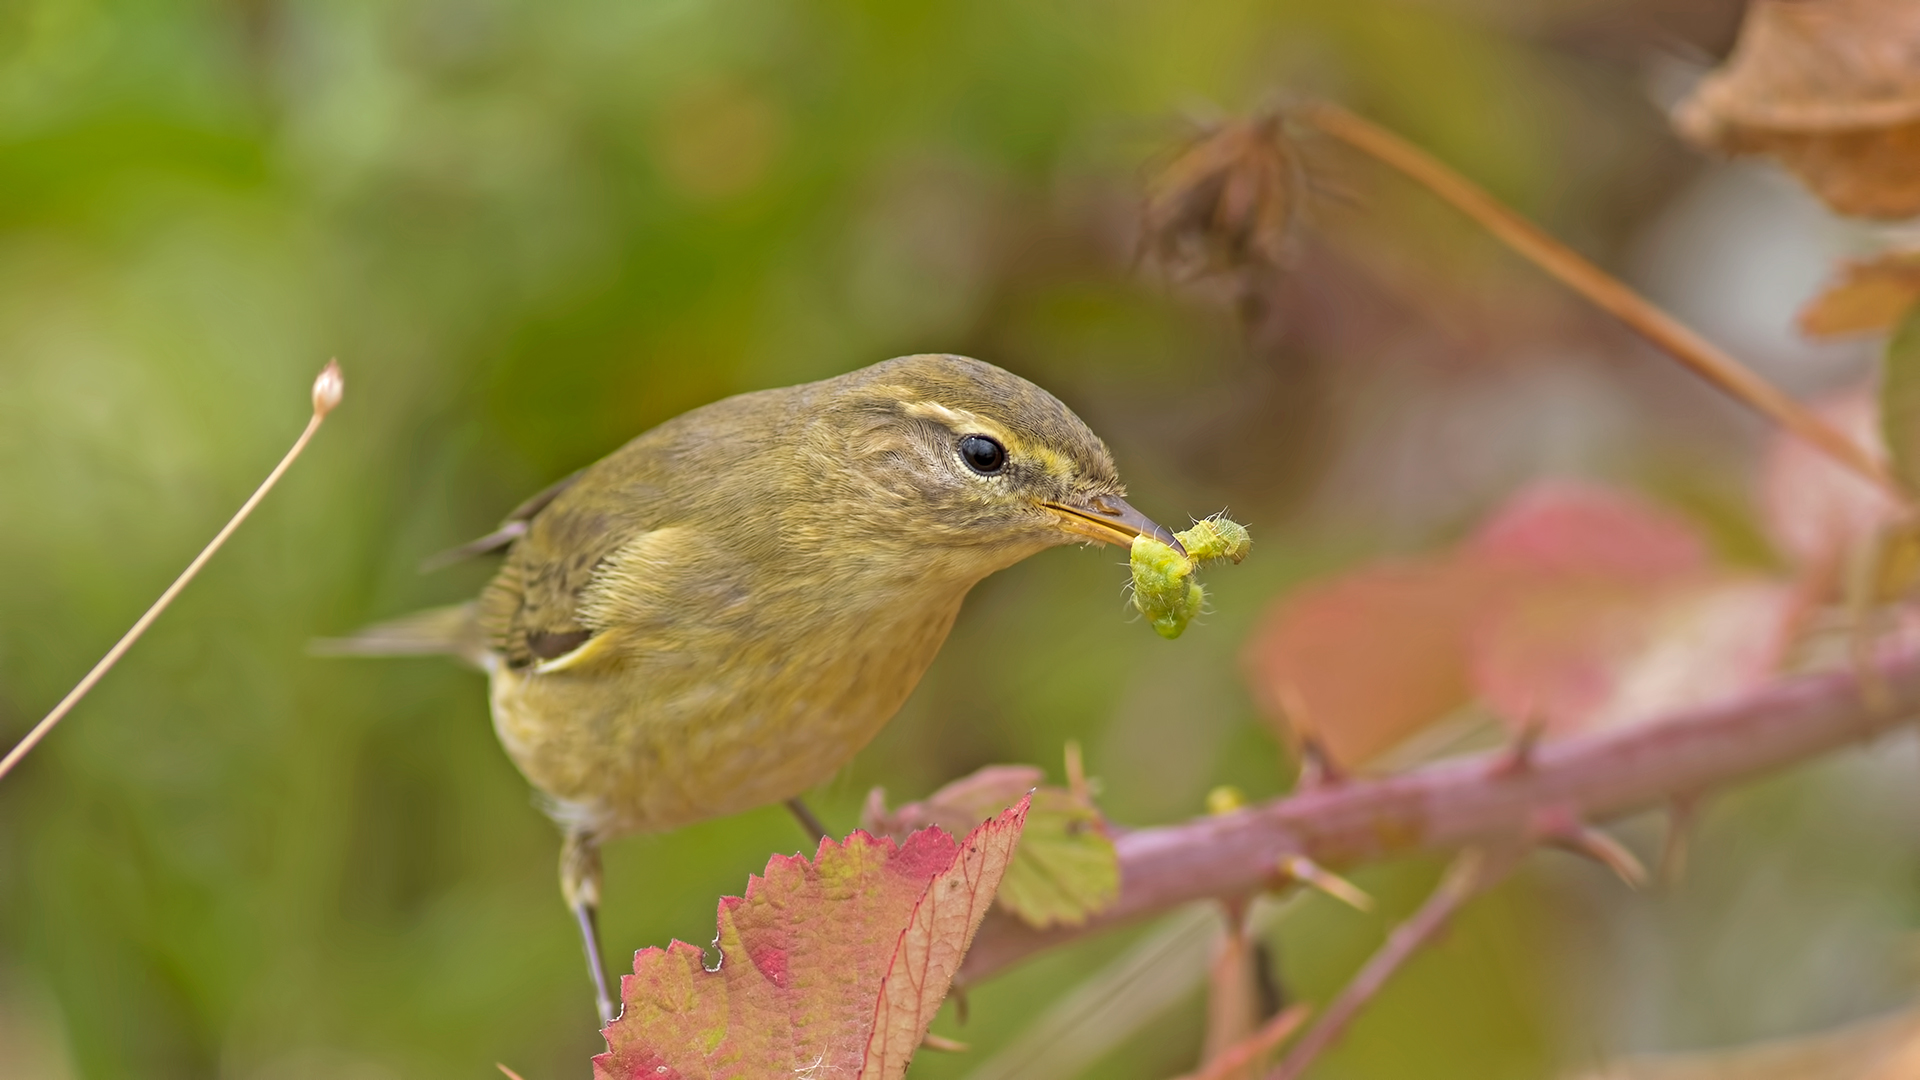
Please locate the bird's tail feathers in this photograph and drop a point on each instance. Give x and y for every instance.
(441, 631)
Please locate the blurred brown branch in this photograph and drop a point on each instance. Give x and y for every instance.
(1605, 291)
(1245, 1054)
(1479, 800)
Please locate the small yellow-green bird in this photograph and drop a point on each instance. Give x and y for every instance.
(719, 614)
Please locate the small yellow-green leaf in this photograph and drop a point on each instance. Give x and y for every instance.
(1065, 869)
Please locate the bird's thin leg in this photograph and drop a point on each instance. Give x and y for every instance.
(580, 885)
(807, 820)
(588, 916)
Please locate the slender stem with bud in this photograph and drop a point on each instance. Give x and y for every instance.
(327, 390)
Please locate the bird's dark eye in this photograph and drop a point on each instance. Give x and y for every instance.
(983, 455)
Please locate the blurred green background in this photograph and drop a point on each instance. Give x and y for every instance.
(531, 230)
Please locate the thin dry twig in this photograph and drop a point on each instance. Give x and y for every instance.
(327, 391)
(1595, 844)
(1682, 814)
(1473, 870)
(1698, 354)
(1304, 870)
(1259, 1044)
(1233, 988)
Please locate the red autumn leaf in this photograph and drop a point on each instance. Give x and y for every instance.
(833, 967)
(1622, 618)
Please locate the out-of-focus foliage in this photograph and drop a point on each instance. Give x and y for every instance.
(530, 230)
(1884, 1048)
(1572, 608)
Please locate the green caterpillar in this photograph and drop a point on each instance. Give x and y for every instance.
(1163, 586)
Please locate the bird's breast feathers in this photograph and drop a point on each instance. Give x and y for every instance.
(703, 664)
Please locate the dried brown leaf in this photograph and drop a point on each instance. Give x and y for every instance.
(1831, 90)
(1867, 296)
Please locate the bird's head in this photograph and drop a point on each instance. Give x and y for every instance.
(946, 452)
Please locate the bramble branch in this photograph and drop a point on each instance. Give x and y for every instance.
(1480, 800)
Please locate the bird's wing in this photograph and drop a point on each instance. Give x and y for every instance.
(634, 541)
(532, 611)
(511, 529)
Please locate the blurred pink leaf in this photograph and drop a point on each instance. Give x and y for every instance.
(1360, 662)
(1584, 656)
(1574, 605)
(1565, 529)
(1816, 510)
(833, 967)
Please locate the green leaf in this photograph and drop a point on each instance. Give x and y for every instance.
(1900, 399)
(1065, 870)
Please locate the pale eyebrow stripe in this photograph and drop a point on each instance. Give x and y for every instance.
(933, 410)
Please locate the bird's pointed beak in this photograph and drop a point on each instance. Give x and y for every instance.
(1110, 520)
